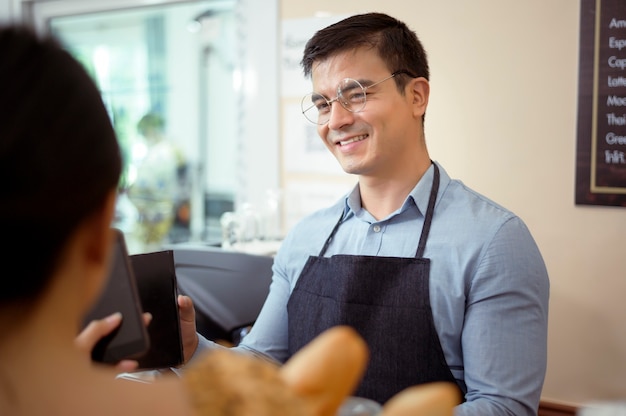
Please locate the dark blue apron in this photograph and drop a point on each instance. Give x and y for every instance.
(386, 299)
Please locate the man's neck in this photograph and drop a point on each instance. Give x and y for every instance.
(383, 196)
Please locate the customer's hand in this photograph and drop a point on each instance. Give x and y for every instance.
(187, 326)
(99, 328)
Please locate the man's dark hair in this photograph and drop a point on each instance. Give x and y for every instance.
(395, 43)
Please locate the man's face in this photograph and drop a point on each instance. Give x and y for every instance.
(374, 141)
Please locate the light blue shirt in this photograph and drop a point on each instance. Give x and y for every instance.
(489, 287)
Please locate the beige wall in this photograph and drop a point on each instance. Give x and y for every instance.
(502, 118)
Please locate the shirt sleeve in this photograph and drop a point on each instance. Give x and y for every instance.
(268, 337)
(204, 345)
(504, 339)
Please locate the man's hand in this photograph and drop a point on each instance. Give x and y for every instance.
(187, 326)
(96, 330)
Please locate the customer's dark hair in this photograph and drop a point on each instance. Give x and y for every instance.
(395, 43)
(59, 157)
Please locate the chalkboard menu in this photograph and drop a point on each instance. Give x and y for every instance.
(601, 144)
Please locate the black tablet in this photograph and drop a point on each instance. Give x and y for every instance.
(120, 294)
(158, 290)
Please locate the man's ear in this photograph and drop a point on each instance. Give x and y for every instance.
(419, 92)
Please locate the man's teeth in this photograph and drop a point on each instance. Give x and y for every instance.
(352, 140)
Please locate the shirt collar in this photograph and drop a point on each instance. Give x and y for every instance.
(418, 196)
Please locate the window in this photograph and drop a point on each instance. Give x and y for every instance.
(178, 79)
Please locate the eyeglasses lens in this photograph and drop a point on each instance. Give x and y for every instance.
(350, 94)
(316, 108)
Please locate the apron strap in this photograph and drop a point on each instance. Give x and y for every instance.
(429, 213)
(332, 234)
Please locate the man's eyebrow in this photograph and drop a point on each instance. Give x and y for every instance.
(365, 82)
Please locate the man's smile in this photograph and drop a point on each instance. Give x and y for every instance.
(352, 140)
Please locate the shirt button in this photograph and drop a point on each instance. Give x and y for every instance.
(376, 228)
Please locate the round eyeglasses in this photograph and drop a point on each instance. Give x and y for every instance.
(351, 94)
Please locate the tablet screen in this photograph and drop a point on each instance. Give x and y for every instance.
(156, 281)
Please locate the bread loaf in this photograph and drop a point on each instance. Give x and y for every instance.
(314, 382)
(431, 399)
(328, 369)
(223, 382)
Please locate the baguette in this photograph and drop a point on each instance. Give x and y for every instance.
(224, 382)
(431, 399)
(327, 370)
(314, 382)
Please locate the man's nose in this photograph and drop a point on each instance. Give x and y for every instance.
(339, 116)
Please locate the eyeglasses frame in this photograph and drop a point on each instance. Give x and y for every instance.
(344, 105)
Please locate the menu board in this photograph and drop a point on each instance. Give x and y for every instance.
(601, 144)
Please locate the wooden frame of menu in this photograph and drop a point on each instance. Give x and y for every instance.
(601, 145)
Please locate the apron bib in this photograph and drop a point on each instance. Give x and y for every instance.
(386, 299)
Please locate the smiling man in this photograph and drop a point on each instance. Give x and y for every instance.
(443, 283)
